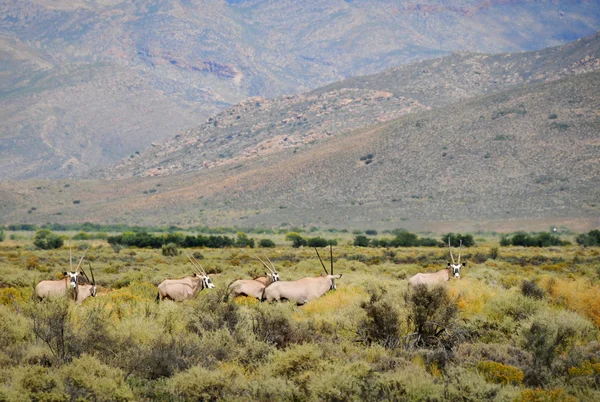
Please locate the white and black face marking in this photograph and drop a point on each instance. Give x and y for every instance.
(455, 269)
(94, 292)
(73, 278)
(274, 277)
(207, 282)
(332, 286)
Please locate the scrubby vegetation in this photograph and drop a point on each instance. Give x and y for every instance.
(521, 324)
(537, 240)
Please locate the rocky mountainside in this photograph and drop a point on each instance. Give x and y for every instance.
(86, 83)
(258, 126)
(527, 155)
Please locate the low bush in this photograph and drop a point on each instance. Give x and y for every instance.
(170, 250)
(381, 325)
(531, 289)
(47, 240)
(500, 373)
(591, 238)
(266, 243)
(432, 315)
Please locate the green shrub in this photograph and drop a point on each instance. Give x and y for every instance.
(591, 238)
(547, 336)
(82, 236)
(381, 324)
(47, 240)
(244, 241)
(361, 241)
(455, 239)
(52, 325)
(531, 289)
(1, 235)
(317, 242)
(500, 373)
(200, 384)
(432, 316)
(266, 243)
(170, 250)
(86, 378)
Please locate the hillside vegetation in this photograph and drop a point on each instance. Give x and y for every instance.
(523, 155)
(87, 83)
(261, 126)
(520, 325)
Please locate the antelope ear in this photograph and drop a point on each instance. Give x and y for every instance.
(447, 265)
(464, 264)
(195, 274)
(65, 273)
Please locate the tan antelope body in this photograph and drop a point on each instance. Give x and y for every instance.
(432, 278)
(440, 276)
(69, 285)
(185, 288)
(254, 287)
(57, 288)
(302, 290)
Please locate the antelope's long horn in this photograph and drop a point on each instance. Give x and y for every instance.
(85, 275)
(272, 266)
(81, 260)
(192, 261)
(92, 271)
(71, 258)
(200, 267)
(197, 265)
(450, 248)
(331, 258)
(459, 252)
(263, 263)
(323, 265)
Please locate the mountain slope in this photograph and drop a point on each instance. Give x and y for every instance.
(523, 155)
(83, 67)
(258, 126)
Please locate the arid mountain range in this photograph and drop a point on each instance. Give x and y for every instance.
(481, 142)
(87, 83)
(258, 126)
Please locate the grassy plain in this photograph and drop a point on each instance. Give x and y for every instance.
(504, 343)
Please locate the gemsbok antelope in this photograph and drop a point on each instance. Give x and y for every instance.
(61, 287)
(253, 287)
(185, 288)
(89, 289)
(302, 290)
(442, 275)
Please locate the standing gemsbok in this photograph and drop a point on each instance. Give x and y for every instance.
(303, 290)
(185, 288)
(89, 289)
(254, 287)
(61, 287)
(442, 275)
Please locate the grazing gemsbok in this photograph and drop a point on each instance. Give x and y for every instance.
(89, 289)
(303, 290)
(69, 284)
(442, 275)
(253, 287)
(185, 288)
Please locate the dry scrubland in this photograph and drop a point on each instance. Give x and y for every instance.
(500, 342)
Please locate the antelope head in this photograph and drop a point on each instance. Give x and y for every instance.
(74, 275)
(455, 267)
(206, 282)
(272, 274)
(330, 275)
(92, 282)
